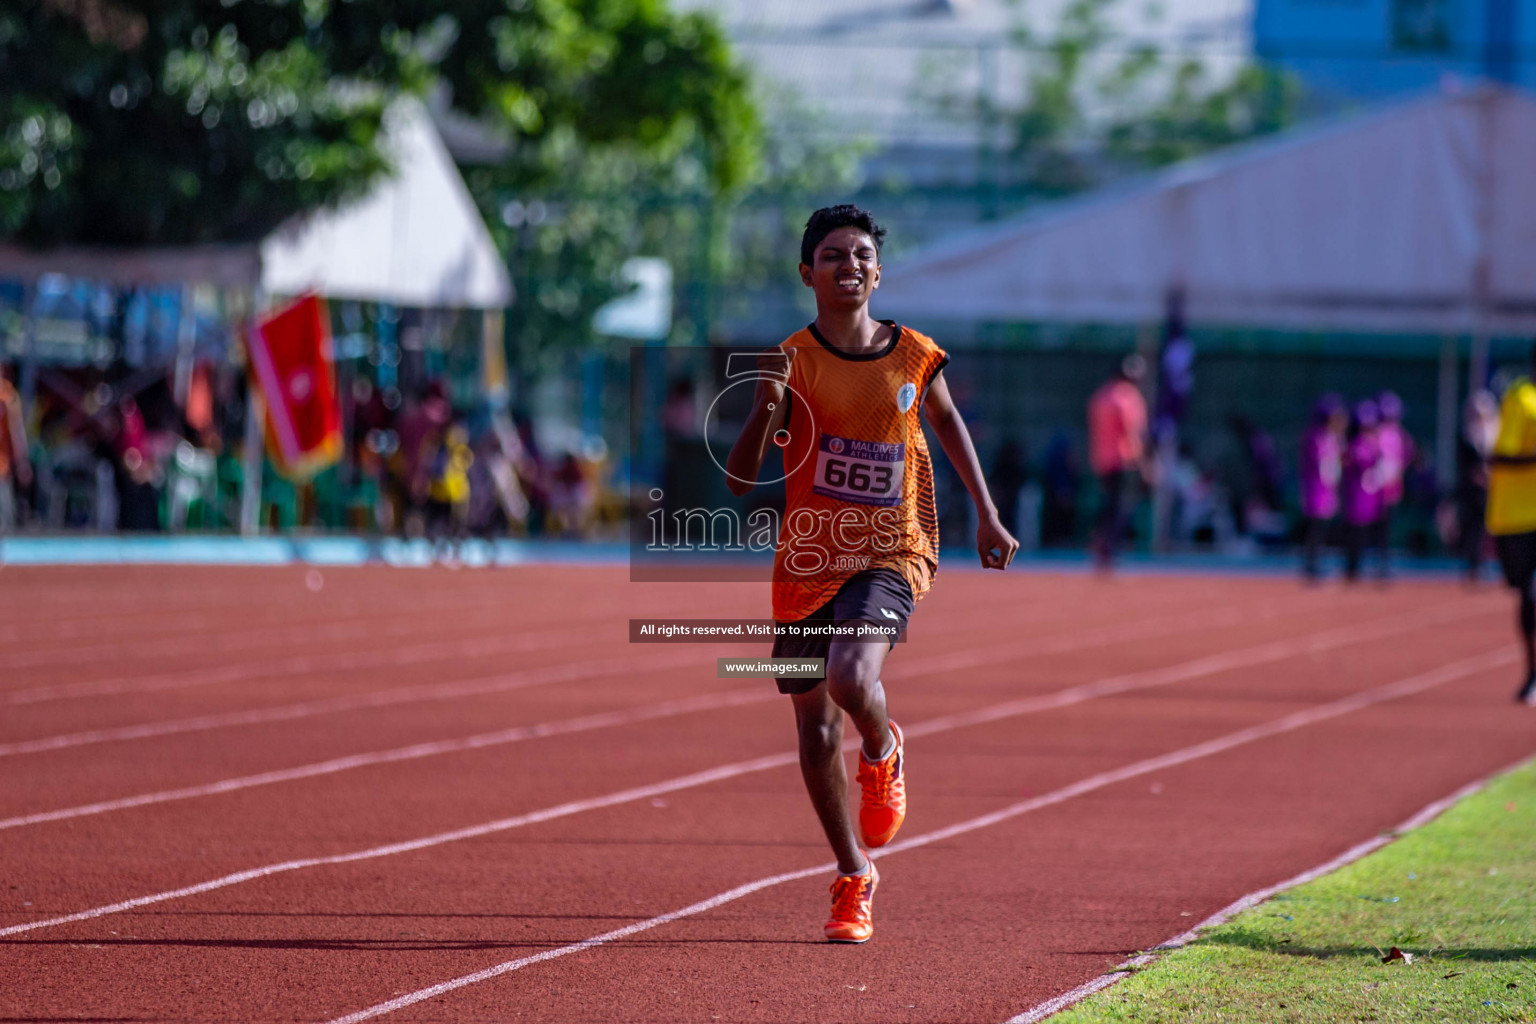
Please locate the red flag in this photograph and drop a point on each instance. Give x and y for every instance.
(295, 369)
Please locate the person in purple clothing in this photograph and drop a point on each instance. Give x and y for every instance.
(1361, 494)
(1322, 464)
(1397, 451)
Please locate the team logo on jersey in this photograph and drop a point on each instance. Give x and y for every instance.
(835, 446)
(905, 396)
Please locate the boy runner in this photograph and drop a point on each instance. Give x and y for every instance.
(860, 541)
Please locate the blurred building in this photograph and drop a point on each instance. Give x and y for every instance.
(1372, 48)
(927, 83)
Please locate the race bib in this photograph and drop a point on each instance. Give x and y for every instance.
(863, 472)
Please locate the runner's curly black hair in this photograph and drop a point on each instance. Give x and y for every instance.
(828, 219)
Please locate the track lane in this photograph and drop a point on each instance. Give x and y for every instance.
(193, 951)
(437, 912)
(49, 781)
(342, 819)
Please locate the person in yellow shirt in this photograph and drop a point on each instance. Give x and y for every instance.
(1512, 512)
(448, 490)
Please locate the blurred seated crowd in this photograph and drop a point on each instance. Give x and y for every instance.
(125, 455)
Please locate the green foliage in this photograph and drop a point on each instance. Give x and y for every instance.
(570, 212)
(1192, 119)
(197, 123)
(1099, 105)
(184, 120)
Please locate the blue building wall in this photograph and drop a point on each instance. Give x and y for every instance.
(1373, 48)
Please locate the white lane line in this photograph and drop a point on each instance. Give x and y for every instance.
(1428, 813)
(708, 776)
(497, 684)
(473, 832)
(460, 649)
(938, 663)
(1040, 646)
(166, 622)
(1208, 665)
(336, 661)
(916, 669)
(188, 640)
(1288, 723)
(515, 734)
(480, 686)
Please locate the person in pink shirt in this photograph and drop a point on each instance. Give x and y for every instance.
(1322, 466)
(1397, 451)
(1117, 427)
(1361, 494)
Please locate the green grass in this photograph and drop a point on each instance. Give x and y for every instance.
(1459, 894)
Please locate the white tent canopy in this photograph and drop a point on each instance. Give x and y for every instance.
(415, 240)
(1417, 218)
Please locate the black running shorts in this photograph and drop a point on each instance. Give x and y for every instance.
(881, 596)
(1517, 555)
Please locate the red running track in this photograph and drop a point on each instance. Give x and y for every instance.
(428, 795)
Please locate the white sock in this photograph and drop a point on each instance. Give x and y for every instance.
(890, 749)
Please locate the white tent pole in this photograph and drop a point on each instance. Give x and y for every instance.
(255, 440)
(1482, 267)
(186, 343)
(250, 481)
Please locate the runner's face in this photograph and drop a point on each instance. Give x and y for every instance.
(846, 269)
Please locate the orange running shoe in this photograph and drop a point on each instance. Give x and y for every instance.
(884, 806)
(853, 899)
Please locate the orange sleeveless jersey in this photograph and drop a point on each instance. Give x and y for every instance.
(860, 483)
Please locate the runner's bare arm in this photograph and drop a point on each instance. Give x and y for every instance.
(994, 544)
(767, 417)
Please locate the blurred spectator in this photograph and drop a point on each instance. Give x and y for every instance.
(1175, 387)
(496, 497)
(532, 472)
(572, 497)
(447, 508)
(1258, 511)
(1058, 514)
(1200, 507)
(1361, 494)
(1322, 466)
(1117, 426)
(680, 414)
(1397, 453)
(1479, 431)
(1175, 379)
(138, 469)
(1420, 505)
(15, 468)
(1512, 511)
(421, 419)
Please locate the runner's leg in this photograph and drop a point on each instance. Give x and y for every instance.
(853, 684)
(820, 725)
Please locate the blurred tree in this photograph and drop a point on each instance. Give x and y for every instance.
(1195, 118)
(1099, 104)
(138, 122)
(573, 218)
